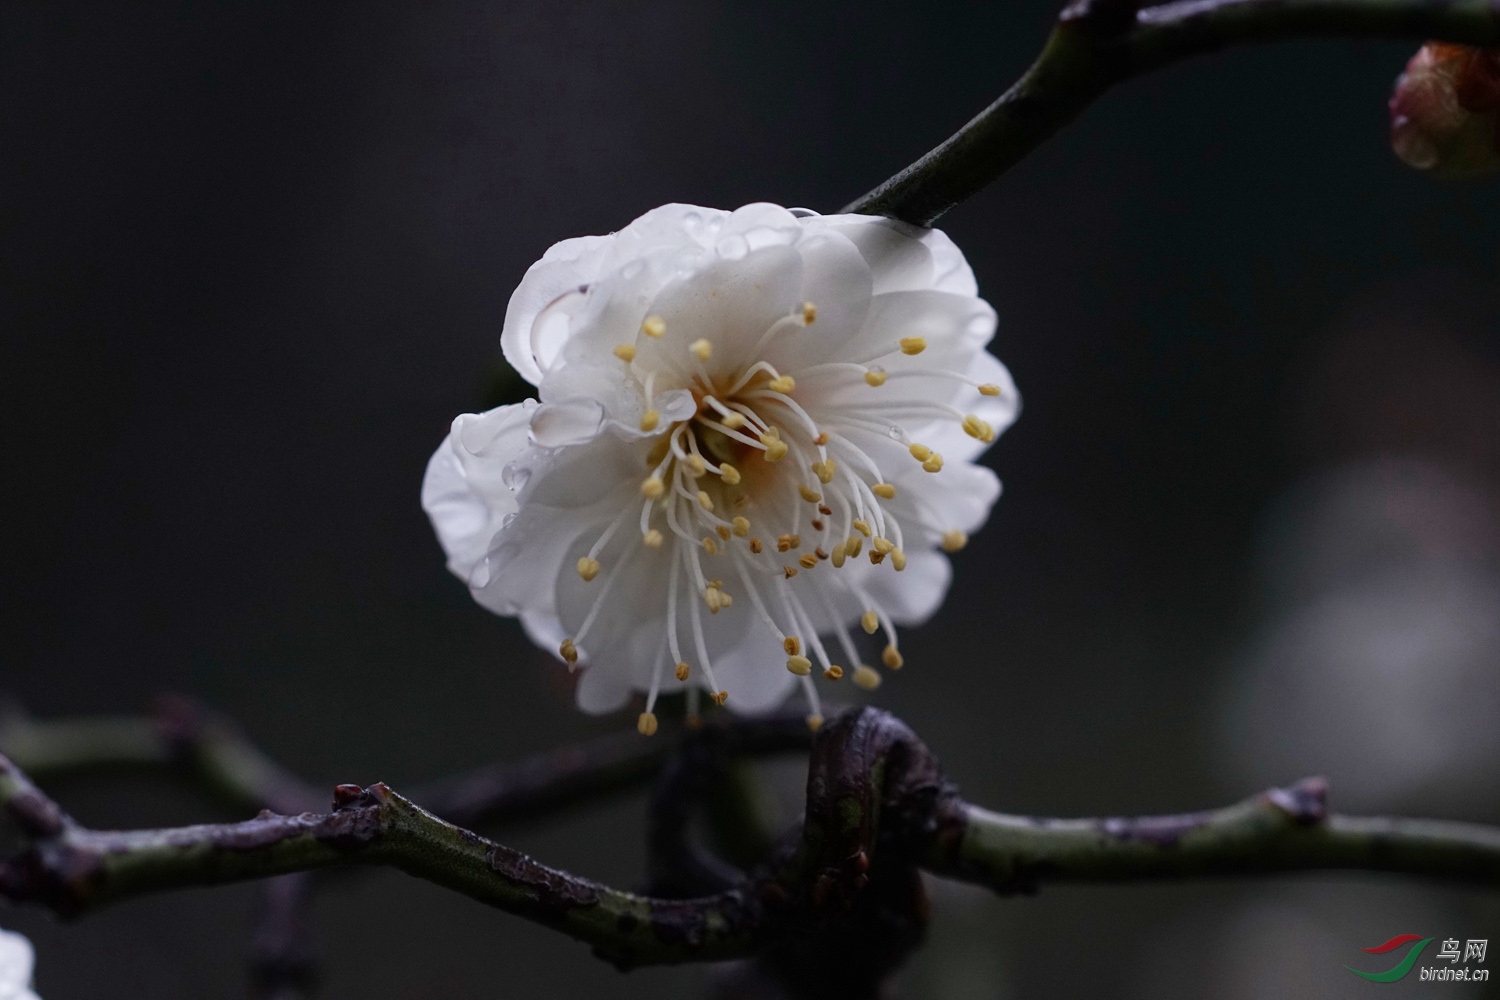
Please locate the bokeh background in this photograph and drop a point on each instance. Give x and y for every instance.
(255, 257)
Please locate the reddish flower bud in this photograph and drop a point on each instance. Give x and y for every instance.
(1445, 113)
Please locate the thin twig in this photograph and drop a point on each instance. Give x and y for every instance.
(1099, 43)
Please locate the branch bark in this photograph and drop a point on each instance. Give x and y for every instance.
(831, 912)
(1282, 830)
(1099, 43)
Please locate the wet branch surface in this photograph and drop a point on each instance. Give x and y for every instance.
(831, 910)
(1097, 44)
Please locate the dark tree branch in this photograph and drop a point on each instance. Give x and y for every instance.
(559, 778)
(1099, 43)
(829, 914)
(1282, 830)
(283, 965)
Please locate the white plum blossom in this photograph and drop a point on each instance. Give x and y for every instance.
(755, 429)
(16, 960)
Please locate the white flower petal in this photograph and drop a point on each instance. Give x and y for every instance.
(912, 597)
(727, 399)
(567, 267)
(471, 482)
(17, 959)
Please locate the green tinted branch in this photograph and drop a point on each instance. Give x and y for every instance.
(1099, 43)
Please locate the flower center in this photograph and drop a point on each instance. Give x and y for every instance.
(751, 491)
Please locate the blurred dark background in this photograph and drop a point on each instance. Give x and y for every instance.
(255, 257)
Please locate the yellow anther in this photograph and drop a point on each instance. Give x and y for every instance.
(568, 651)
(838, 555)
(884, 491)
(913, 345)
(650, 419)
(705, 501)
(723, 532)
(954, 540)
(809, 313)
(719, 697)
(808, 561)
(710, 546)
(715, 599)
(788, 571)
(920, 452)
(654, 326)
(588, 568)
(757, 546)
(729, 474)
(792, 645)
(682, 671)
(808, 494)
(653, 488)
(782, 383)
(824, 470)
(646, 724)
(820, 553)
(814, 722)
(865, 677)
(882, 545)
(625, 352)
(702, 349)
(898, 560)
(876, 558)
(976, 428)
(834, 672)
(776, 448)
(863, 527)
(785, 543)
(652, 539)
(892, 658)
(853, 544)
(869, 621)
(875, 376)
(734, 421)
(989, 389)
(934, 463)
(821, 439)
(824, 509)
(697, 468)
(799, 665)
(742, 526)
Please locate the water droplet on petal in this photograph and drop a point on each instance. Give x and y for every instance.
(505, 522)
(733, 247)
(895, 432)
(515, 476)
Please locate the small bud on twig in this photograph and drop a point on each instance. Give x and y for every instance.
(1445, 112)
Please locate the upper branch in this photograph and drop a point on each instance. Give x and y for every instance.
(1099, 43)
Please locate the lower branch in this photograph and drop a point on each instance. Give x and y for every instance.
(1099, 43)
(830, 913)
(1283, 830)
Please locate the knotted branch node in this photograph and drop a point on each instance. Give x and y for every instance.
(830, 908)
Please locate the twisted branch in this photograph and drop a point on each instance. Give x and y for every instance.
(1099, 43)
(878, 809)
